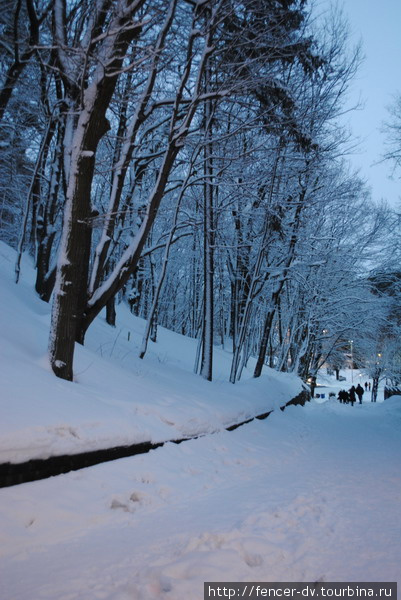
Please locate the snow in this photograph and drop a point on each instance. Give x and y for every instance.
(270, 501)
(311, 493)
(117, 399)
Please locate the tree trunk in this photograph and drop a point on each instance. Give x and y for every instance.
(208, 238)
(45, 231)
(267, 328)
(72, 273)
(375, 386)
(208, 274)
(243, 322)
(70, 298)
(111, 312)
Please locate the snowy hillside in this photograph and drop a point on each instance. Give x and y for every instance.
(117, 398)
(309, 494)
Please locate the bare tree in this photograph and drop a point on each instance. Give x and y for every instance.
(392, 130)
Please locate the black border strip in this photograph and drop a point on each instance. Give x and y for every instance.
(36, 469)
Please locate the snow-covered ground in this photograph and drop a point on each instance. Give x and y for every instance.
(311, 493)
(327, 384)
(117, 398)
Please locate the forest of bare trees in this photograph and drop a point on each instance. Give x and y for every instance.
(187, 157)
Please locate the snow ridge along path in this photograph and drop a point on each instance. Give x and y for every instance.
(33, 470)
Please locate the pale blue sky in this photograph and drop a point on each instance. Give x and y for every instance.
(378, 25)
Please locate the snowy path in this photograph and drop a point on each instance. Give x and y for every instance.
(310, 494)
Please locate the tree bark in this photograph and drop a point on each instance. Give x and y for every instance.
(73, 266)
(208, 248)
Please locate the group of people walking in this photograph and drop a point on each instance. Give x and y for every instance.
(352, 394)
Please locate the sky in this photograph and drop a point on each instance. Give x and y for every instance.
(378, 26)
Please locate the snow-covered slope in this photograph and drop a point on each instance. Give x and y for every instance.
(309, 494)
(116, 398)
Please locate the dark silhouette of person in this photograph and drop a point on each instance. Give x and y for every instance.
(366, 386)
(359, 392)
(369, 386)
(352, 396)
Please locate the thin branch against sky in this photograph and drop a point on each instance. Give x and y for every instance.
(377, 27)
